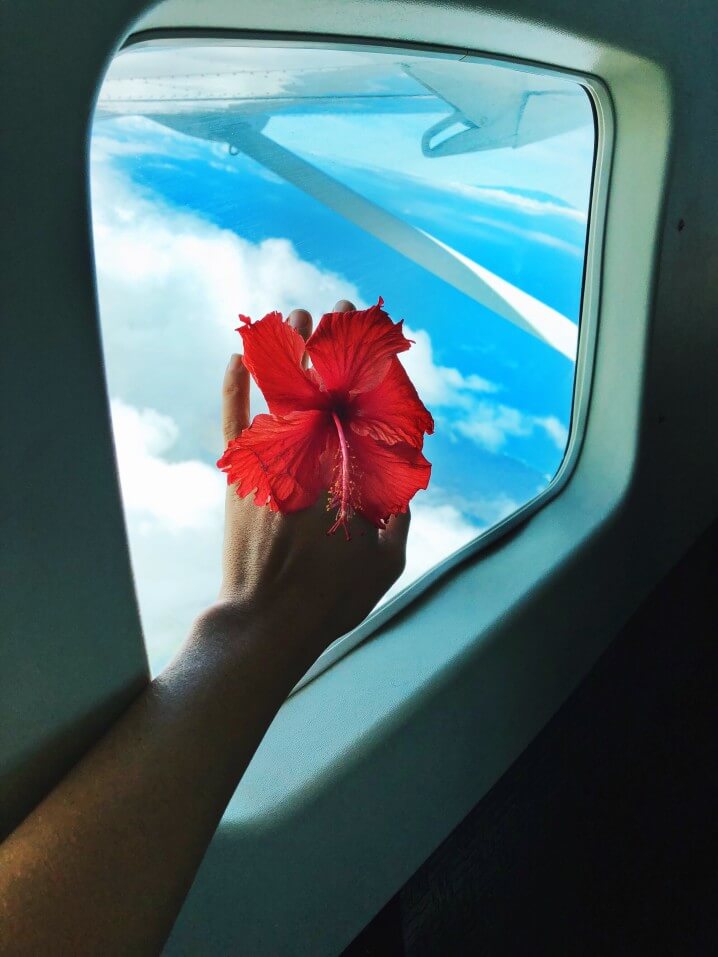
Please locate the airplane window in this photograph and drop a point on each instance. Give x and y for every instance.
(231, 176)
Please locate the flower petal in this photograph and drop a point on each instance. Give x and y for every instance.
(393, 411)
(382, 481)
(278, 458)
(351, 351)
(273, 353)
(388, 477)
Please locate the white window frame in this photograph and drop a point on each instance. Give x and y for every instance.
(366, 770)
(590, 298)
(448, 694)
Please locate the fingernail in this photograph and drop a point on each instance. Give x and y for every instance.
(344, 306)
(235, 362)
(299, 319)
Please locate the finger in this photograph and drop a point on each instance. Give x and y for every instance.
(344, 306)
(301, 320)
(394, 537)
(235, 399)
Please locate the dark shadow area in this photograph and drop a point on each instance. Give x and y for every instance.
(25, 784)
(602, 838)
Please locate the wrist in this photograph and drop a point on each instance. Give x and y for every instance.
(277, 632)
(232, 675)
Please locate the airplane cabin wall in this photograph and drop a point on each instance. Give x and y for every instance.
(72, 652)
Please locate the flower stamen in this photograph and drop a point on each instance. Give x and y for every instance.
(342, 488)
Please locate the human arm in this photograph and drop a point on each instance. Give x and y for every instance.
(103, 864)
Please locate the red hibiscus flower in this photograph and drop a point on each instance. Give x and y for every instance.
(352, 424)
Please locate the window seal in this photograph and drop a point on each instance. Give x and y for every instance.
(603, 114)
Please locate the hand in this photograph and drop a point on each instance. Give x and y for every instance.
(284, 569)
(110, 853)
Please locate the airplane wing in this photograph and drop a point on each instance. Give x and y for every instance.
(232, 106)
(508, 109)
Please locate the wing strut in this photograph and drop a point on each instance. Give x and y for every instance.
(480, 284)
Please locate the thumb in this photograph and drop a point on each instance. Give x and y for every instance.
(393, 539)
(235, 399)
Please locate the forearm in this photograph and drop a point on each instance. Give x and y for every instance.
(103, 863)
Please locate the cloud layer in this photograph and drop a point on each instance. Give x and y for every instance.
(170, 285)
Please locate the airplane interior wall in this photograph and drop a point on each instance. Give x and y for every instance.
(602, 834)
(602, 838)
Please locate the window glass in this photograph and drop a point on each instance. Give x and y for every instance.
(233, 178)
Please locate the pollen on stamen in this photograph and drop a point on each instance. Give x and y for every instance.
(343, 486)
(344, 493)
(341, 522)
(341, 498)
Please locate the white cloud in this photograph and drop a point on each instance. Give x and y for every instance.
(170, 286)
(533, 205)
(465, 399)
(439, 385)
(554, 428)
(491, 509)
(436, 531)
(529, 235)
(174, 516)
(133, 136)
(491, 424)
(177, 495)
(139, 240)
(439, 528)
(106, 147)
(560, 166)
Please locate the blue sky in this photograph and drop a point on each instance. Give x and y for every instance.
(170, 210)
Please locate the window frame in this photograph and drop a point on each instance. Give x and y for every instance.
(452, 691)
(603, 119)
